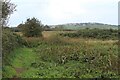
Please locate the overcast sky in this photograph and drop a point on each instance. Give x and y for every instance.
(53, 12)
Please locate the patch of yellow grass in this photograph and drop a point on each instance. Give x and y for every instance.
(48, 34)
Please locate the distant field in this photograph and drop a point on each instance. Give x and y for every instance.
(78, 26)
(47, 34)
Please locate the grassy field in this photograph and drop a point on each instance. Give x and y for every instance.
(62, 57)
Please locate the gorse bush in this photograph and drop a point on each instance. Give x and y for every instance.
(94, 33)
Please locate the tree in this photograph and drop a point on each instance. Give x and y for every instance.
(7, 9)
(32, 28)
(47, 28)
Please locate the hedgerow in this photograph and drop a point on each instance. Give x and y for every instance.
(10, 41)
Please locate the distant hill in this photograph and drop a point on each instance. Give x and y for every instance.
(77, 26)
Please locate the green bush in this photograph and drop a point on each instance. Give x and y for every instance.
(32, 28)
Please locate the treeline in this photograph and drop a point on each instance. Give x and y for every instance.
(94, 34)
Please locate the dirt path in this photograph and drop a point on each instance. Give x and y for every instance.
(19, 70)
